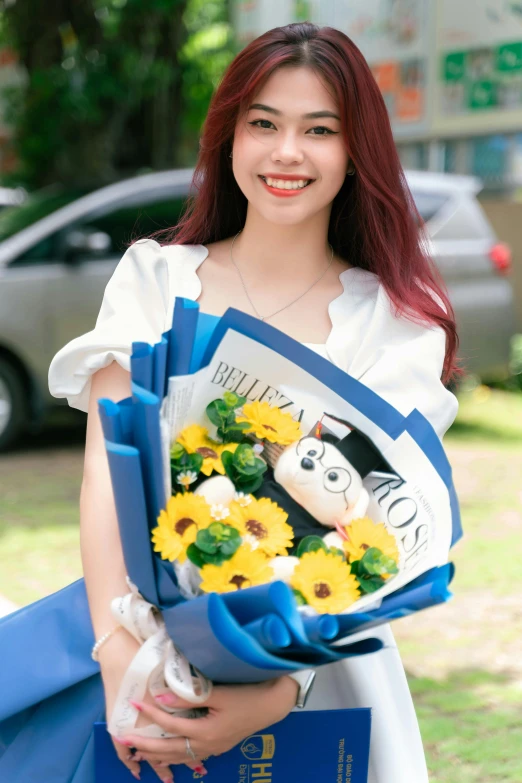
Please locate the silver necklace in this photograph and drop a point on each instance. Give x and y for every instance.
(266, 317)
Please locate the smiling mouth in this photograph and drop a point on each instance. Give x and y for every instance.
(286, 184)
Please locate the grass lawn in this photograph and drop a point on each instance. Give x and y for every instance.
(464, 659)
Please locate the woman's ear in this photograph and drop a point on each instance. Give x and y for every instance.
(357, 511)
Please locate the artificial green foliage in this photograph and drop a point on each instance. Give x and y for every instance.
(214, 545)
(244, 468)
(182, 462)
(222, 413)
(371, 569)
(310, 544)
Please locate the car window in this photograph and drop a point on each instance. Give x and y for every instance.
(428, 203)
(37, 206)
(122, 223)
(125, 224)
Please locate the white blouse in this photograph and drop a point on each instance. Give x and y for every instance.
(397, 358)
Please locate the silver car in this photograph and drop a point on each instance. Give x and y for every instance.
(58, 250)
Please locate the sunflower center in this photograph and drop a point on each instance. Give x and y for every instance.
(238, 580)
(256, 528)
(268, 427)
(183, 524)
(206, 451)
(322, 590)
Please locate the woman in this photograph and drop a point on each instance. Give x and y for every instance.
(302, 218)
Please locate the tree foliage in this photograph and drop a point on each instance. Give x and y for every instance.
(113, 86)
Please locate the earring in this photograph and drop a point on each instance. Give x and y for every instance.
(350, 172)
(230, 155)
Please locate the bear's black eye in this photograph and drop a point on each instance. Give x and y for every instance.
(333, 476)
(311, 453)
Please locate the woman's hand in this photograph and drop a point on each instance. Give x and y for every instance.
(115, 657)
(234, 713)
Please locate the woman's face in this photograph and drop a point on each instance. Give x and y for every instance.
(275, 137)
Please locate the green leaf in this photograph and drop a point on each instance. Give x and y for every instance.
(195, 556)
(216, 530)
(248, 486)
(310, 544)
(369, 584)
(376, 563)
(217, 559)
(217, 411)
(354, 567)
(177, 451)
(233, 400)
(333, 550)
(228, 548)
(228, 463)
(206, 542)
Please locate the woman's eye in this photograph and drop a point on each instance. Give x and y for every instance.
(323, 131)
(328, 132)
(254, 123)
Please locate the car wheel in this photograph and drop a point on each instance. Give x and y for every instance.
(13, 405)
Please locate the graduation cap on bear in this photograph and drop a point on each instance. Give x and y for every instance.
(356, 447)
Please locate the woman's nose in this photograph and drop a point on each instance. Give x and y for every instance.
(287, 150)
(307, 464)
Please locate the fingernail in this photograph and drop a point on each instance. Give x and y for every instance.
(135, 774)
(136, 705)
(167, 698)
(123, 742)
(201, 770)
(167, 780)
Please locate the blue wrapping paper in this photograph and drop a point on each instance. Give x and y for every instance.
(247, 635)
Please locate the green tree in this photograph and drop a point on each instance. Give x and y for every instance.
(109, 83)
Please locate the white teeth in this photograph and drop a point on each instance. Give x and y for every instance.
(286, 184)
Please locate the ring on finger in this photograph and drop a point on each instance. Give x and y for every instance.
(190, 752)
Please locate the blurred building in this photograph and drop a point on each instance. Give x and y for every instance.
(450, 72)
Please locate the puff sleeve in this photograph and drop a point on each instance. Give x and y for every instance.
(134, 308)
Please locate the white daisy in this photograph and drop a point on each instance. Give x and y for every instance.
(219, 512)
(185, 478)
(242, 499)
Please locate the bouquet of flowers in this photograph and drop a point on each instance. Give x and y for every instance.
(270, 507)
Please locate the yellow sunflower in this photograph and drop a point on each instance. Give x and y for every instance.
(178, 525)
(270, 423)
(364, 533)
(195, 439)
(325, 581)
(247, 568)
(265, 522)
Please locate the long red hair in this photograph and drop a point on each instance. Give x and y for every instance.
(374, 223)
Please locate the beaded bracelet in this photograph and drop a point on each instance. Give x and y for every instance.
(102, 640)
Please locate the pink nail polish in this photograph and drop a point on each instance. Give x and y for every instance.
(201, 770)
(123, 742)
(136, 705)
(166, 698)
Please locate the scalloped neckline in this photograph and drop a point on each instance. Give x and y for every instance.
(331, 305)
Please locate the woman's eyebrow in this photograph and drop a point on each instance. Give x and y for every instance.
(313, 115)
